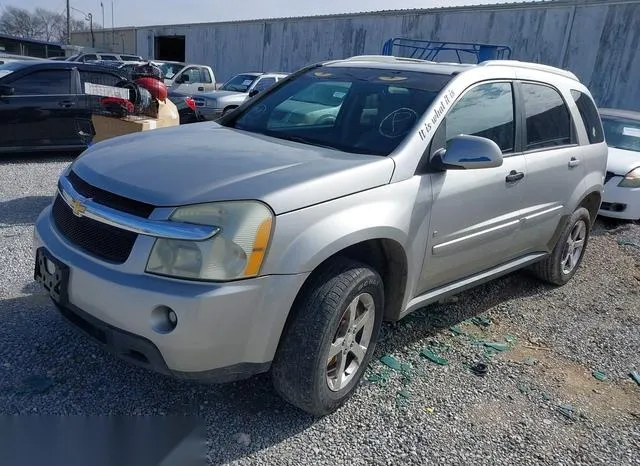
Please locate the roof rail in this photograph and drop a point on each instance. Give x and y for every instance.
(385, 59)
(531, 66)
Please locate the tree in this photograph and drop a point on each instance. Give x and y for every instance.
(42, 24)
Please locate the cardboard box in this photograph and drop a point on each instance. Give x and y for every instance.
(108, 127)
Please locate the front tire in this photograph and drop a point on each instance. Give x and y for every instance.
(561, 265)
(331, 340)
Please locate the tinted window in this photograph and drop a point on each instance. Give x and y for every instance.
(130, 57)
(264, 83)
(486, 111)
(589, 115)
(622, 133)
(95, 77)
(49, 82)
(548, 120)
(89, 57)
(109, 57)
(349, 109)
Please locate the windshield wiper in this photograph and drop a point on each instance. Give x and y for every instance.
(300, 139)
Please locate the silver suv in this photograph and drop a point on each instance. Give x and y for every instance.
(277, 241)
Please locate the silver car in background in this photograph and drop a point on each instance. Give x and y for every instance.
(274, 240)
(234, 92)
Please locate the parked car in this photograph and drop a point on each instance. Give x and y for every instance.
(84, 57)
(622, 181)
(43, 105)
(234, 92)
(187, 108)
(187, 79)
(222, 250)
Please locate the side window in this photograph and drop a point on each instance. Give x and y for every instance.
(89, 57)
(46, 82)
(94, 77)
(548, 120)
(590, 116)
(193, 75)
(264, 83)
(487, 111)
(109, 57)
(206, 76)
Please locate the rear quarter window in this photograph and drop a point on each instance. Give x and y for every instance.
(590, 117)
(548, 121)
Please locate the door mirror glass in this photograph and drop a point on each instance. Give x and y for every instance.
(465, 152)
(6, 90)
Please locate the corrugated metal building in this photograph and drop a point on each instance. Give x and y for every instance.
(29, 47)
(599, 40)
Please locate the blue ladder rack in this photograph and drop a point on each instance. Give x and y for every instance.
(429, 49)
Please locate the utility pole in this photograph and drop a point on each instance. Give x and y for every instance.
(68, 22)
(104, 26)
(113, 30)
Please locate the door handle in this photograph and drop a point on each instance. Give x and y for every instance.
(573, 162)
(514, 176)
(66, 103)
(201, 88)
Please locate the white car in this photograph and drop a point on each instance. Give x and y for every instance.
(622, 182)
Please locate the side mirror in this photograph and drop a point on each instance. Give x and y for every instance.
(254, 92)
(466, 152)
(6, 90)
(183, 78)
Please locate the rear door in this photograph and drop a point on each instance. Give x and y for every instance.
(42, 110)
(555, 170)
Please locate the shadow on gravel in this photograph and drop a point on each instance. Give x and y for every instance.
(38, 157)
(606, 225)
(23, 210)
(430, 321)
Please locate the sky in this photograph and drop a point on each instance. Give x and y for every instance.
(156, 12)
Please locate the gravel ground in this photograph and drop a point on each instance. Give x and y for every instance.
(538, 403)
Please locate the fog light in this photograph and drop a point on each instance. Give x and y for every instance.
(163, 319)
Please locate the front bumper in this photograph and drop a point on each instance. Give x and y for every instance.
(224, 332)
(622, 203)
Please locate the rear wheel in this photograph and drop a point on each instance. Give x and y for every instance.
(329, 344)
(561, 265)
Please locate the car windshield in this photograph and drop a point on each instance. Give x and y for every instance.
(622, 133)
(239, 83)
(7, 68)
(357, 110)
(169, 70)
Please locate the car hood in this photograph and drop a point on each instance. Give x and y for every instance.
(622, 161)
(206, 162)
(222, 94)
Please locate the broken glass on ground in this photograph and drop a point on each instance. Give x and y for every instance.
(433, 357)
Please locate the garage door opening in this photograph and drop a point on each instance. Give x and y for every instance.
(170, 48)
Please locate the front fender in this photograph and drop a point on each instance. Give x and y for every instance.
(305, 238)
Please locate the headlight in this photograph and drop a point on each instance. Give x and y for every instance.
(631, 179)
(236, 251)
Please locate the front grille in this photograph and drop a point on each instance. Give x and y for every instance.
(96, 238)
(608, 176)
(123, 204)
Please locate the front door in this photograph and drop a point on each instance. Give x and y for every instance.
(193, 80)
(41, 112)
(476, 213)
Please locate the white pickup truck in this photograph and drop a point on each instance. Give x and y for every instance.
(187, 79)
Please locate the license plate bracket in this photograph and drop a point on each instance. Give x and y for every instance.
(53, 275)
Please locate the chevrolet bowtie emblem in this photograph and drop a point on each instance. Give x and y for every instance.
(78, 208)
